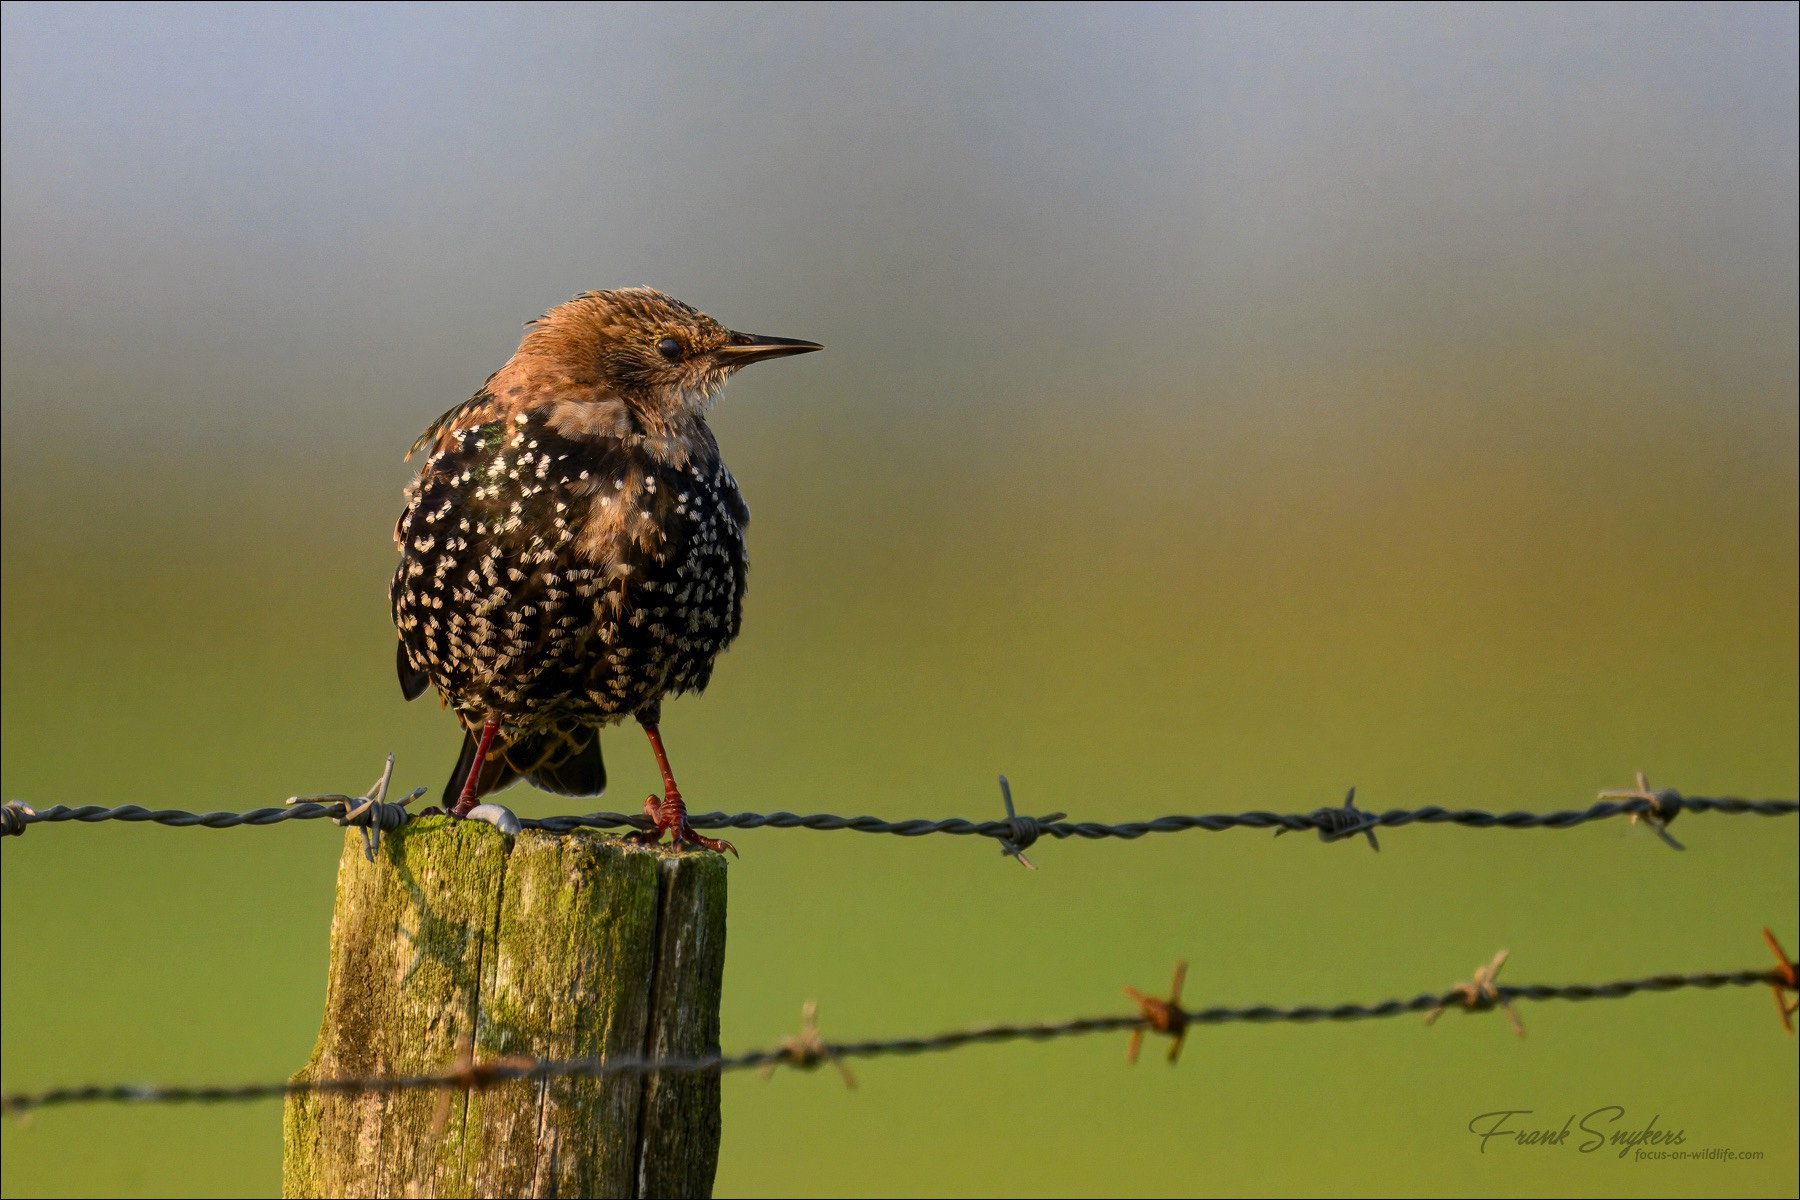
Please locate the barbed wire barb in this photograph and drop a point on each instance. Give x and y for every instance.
(371, 813)
(1788, 982)
(807, 1049)
(1023, 832)
(13, 818)
(1664, 807)
(1481, 993)
(1345, 821)
(1163, 1016)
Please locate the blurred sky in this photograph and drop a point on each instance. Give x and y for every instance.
(1221, 405)
(249, 225)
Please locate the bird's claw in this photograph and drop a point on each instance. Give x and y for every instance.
(669, 814)
(716, 845)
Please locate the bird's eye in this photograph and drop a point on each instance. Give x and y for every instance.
(669, 348)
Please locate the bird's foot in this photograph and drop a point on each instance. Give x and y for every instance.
(467, 801)
(670, 815)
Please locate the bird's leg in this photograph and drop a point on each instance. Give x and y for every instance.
(466, 801)
(670, 813)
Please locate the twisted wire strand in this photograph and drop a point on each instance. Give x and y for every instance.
(1018, 830)
(481, 1075)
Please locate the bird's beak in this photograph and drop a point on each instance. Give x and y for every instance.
(746, 348)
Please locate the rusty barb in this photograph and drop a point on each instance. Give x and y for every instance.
(467, 1075)
(1785, 981)
(1665, 806)
(806, 1050)
(1482, 993)
(1163, 1016)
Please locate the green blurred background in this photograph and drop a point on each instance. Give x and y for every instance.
(1223, 406)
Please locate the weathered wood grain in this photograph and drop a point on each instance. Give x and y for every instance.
(545, 946)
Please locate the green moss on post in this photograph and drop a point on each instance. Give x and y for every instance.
(545, 946)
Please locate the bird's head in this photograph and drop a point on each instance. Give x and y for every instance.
(662, 358)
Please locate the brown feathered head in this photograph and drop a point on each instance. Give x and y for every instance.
(662, 357)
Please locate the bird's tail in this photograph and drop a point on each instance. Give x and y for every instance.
(564, 759)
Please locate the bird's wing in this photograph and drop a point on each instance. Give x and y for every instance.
(413, 680)
(480, 407)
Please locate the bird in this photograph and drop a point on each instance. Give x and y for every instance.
(572, 549)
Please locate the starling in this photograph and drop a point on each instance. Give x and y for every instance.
(572, 550)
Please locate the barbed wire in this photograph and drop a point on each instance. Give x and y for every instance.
(808, 1049)
(374, 814)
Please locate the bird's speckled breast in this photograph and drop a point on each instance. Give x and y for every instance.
(543, 576)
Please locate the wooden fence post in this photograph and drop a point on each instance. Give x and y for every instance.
(548, 946)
